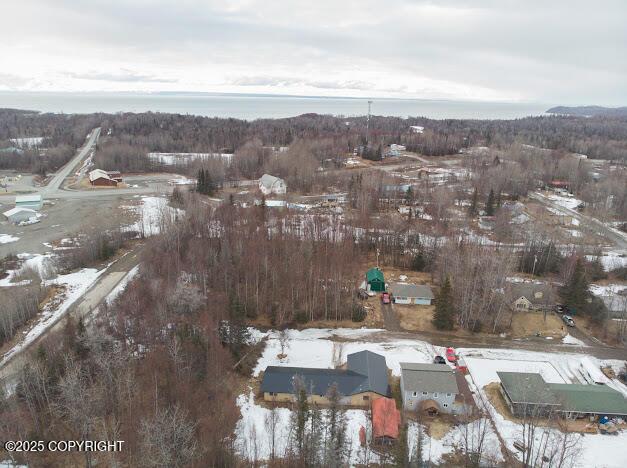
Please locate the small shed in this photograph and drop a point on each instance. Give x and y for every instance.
(17, 215)
(386, 420)
(375, 280)
(33, 202)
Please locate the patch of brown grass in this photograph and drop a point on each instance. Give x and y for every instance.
(529, 323)
(438, 428)
(415, 317)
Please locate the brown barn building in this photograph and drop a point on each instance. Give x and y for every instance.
(100, 178)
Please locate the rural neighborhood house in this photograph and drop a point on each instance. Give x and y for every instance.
(364, 379)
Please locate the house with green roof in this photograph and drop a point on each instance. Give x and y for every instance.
(528, 394)
(375, 280)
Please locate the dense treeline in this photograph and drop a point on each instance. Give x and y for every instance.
(61, 134)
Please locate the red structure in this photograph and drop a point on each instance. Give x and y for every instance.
(386, 420)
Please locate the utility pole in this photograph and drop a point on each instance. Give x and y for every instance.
(368, 125)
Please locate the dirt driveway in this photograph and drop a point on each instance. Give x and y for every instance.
(390, 317)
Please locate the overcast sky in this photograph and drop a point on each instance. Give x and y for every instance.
(558, 51)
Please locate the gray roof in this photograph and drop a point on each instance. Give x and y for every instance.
(268, 180)
(411, 290)
(366, 371)
(535, 293)
(372, 366)
(429, 378)
(525, 387)
(28, 198)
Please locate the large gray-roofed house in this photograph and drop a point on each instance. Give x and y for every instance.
(428, 382)
(364, 376)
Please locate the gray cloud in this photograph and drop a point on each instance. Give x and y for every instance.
(569, 51)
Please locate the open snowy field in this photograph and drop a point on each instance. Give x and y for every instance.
(317, 348)
(154, 214)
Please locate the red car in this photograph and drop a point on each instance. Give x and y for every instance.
(450, 355)
(385, 298)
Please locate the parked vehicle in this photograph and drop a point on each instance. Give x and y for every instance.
(450, 355)
(568, 320)
(385, 297)
(439, 360)
(561, 309)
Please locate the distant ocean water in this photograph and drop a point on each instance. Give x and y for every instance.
(250, 107)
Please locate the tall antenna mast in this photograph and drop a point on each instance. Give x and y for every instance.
(368, 125)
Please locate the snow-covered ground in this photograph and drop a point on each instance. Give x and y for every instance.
(75, 285)
(6, 239)
(315, 348)
(569, 202)
(172, 159)
(571, 340)
(154, 214)
(611, 259)
(41, 263)
(27, 142)
(607, 290)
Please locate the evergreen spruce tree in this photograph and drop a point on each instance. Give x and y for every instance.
(336, 442)
(489, 206)
(575, 292)
(409, 197)
(472, 210)
(418, 263)
(200, 182)
(300, 416)
(444, 315)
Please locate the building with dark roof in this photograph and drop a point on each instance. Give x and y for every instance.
(364, 378)
(528, 296)
(528, 394)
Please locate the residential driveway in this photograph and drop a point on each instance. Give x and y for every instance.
(390, 317)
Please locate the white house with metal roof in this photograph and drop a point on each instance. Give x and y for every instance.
(409, 293)
(18, 214)
(269, 184)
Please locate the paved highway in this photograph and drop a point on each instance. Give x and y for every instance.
(57, 180)
(618, 238)
(54, 189)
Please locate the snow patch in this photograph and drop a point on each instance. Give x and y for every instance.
(7, 239)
